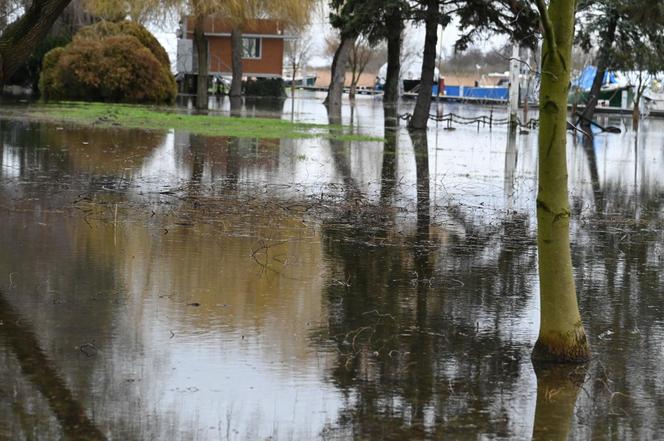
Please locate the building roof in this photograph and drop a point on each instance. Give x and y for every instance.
(218, 26)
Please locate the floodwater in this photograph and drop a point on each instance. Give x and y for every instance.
(167, 286)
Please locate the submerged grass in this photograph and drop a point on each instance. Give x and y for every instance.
(159, 118)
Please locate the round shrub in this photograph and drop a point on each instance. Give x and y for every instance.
(112, 68)
(109, 29)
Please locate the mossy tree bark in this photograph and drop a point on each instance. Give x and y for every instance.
(561, 337)
(19, 39)
(202, 63)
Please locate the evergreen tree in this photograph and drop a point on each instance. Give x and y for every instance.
(628, 33)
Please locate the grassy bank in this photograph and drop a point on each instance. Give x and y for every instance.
(154, 118)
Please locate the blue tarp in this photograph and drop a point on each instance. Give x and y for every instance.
(452, 91)
(585, 80)
(495, 93)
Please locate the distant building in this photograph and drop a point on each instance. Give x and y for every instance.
(262, 44)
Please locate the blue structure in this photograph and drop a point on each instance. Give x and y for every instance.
(477, 93)
(585, 80)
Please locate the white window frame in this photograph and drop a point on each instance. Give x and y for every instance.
(259, 40)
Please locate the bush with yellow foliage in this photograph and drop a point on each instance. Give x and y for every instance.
(111, 62)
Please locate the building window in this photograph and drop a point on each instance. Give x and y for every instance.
(251, 48)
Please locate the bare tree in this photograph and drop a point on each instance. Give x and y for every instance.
(297, 51)
(360, 54)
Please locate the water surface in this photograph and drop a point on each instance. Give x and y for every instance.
(172, 286)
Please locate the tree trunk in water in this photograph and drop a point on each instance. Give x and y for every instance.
(20, 38)
(202, 54)
(292, 87)
(236, 105)
(394, 41)
(388, 169)
(420, 116)
(236, 55)
(338, 73)
(602, 65)
(353, 89)
(593, 96)
(636, 111)
(561, 337)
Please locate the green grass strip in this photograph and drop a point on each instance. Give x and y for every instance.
(159, 118)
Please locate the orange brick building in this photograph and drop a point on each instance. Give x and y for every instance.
(262, 43)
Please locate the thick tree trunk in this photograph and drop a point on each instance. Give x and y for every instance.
(608, 37)
(20, 38)
(236, 56)
(593, 96)
(394, 41)
(420, 116)
(338, 73)
(561, 337)
(202, 64)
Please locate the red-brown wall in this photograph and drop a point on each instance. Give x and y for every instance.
(271, 61)
(272, 49)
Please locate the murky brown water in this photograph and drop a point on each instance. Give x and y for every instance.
(174, 287)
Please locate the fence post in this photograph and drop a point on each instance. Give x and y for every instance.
(514, 87)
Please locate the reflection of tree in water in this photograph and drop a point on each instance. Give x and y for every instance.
(48, 158)
(64, 286)
(65, 282)
(262, 107)
(339, 151)
(391, 134)
(41, 372)
(224, 159)
(591, 156)
(265, 106)
(418, 356)
(558, 386)
(619, 261)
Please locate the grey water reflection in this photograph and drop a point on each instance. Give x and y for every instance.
(173, 286)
